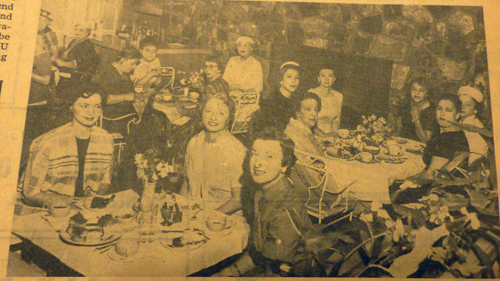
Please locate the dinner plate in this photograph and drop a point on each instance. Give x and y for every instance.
(198, 238)
(224, 232)
(116, 204)
(65, 237)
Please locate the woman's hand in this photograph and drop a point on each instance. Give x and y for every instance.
(415, 114)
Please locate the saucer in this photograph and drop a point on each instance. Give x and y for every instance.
(224, 232)
(112, 254)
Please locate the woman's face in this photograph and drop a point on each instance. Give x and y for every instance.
(244, 49)
(446, 113)
(468, 106)
(215, 117)
(87, 111)
(127, 65)
(326, 77)
(80, 31)
(308, 112)
(265, 161)
(418, 93)
(290, 80)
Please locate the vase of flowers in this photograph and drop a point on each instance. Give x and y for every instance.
(150, 167)
(373, 130)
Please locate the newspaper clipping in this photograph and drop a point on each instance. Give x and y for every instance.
(226, 138)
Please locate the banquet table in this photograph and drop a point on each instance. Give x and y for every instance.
(370, 181)
(152, 259)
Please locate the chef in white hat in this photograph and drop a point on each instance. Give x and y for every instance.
(472, 105)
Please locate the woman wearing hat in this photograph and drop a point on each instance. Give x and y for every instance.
(78, 63)
(279, 108)
(243, 72)
(472, 100)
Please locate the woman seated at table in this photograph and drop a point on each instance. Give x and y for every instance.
(279, 108)
(78, 63)
(214, 158)
(329, 116)
(418, 119)
(472, 107)
(118, 90)
(303, 174)
(276, 245)
(243, 72)
(71, 160)
(441, 148)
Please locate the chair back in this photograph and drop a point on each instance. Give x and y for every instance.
(246, 105)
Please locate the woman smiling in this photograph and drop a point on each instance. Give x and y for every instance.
(214, 158)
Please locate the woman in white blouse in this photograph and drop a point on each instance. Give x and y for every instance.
(243, 72)
(331, 102)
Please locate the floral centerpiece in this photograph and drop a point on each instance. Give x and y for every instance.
(194, 79)
(150, 167)
(374, 130)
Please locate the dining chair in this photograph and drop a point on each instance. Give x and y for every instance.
(246, 105)
(327, 186)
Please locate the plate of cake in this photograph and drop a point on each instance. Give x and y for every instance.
(99, 203)
(80, 232)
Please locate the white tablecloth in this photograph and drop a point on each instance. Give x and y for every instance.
(370, 182)
(152, 259)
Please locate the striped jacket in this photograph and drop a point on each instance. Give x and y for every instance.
(53, 163)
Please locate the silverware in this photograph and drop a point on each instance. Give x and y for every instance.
(201, 232)
(105, 246)
(167, 231)
(194, 215)
(105, 250)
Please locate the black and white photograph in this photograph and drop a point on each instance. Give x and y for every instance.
(225, 138)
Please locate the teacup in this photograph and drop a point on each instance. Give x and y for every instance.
(216, 223)
(394, 150)
(366, 157)
(343, 133)
(128, 244)
(58, 209)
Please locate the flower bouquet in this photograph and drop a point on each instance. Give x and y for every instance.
(150, 167)
(194, 80)
(374, 130)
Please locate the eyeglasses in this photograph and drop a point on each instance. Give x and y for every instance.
(210, 67)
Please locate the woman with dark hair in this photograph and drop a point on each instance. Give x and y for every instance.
(417, 116)
(279, 108)
(472, 107)
(118, 91)
(214, 158)
(329, 115)
(441, 149)
(78, 63)
(299, 129)
(450, 141)
(276, 243)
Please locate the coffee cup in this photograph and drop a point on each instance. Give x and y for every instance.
(58, 209)
(366, 157)
(394, 150)
(128, 245)
(343, 133)
(216, 223)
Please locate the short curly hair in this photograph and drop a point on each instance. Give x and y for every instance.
(287, 145)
